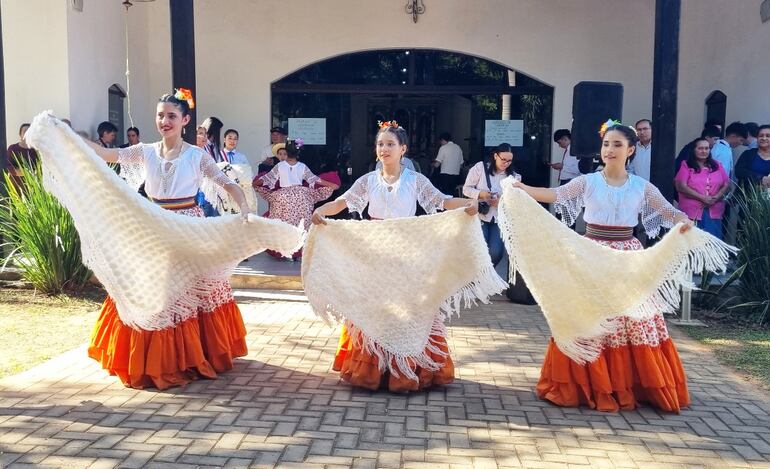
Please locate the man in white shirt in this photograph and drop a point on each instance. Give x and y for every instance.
(229, 152)
(277, 135)
(640, 165)
(568, 167)
(450, 161)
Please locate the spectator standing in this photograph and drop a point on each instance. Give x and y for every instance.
(213, 145)
(229, 153)
(200, 137)
(640, 163)
(751, 135)
(753, 166)
(132, 137)
(277, 135)
(702, 184)
(107, 132)
(569, 166)
(20, 151)
(449, 161)
(712, 135)
(483, 184)
(735, 136)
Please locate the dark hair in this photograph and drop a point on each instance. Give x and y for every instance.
(291, 149)
(134, 129)
(183, 105)
(399, 132)
(21, 127)
(213, 128)
(737, 128)
(628, 133)
(232, 131)
(643, 120)
(762, 127)
(752, 128)
(711, 131)
(445, 136)
(561, 133)
(502, 148)
(692, 160)
(105, 127)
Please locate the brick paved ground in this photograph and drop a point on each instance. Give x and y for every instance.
(283, 407)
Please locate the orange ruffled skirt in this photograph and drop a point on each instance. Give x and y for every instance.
(361, 368)
(638, 363)
(620, 379)
(201, 346)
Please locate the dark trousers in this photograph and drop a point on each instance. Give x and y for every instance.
(448, 183)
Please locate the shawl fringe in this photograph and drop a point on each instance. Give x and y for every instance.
(693, 252)
(485, 284)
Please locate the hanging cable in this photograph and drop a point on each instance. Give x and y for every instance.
(128, 70)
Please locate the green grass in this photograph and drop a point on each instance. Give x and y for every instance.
(745, 348)
(35, 327)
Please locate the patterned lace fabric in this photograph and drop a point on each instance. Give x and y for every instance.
(615, 206)
(135, 159)
(627, 331)
(394, 200)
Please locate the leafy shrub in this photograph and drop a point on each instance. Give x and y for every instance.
(39, 234)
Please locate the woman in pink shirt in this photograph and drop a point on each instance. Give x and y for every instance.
(702, 183)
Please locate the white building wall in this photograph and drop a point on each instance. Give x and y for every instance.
(35, 60)
(244, 47)
(723, 46)
(96, 49)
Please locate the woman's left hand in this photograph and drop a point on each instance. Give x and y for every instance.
(472, 208)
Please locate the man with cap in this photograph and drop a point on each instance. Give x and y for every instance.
(277, 135)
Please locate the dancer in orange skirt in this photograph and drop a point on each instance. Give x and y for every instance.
(638, 362)
(392, 192)
(205, 338)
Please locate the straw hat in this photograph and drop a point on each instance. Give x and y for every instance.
(277, 147)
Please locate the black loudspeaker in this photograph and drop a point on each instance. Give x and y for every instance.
(593, 102)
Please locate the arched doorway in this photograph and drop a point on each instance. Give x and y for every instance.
(428, 92)
(716, 107)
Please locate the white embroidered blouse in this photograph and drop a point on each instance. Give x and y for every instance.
(395, 200)
(289, 175)
(174, 179)
(615, 206)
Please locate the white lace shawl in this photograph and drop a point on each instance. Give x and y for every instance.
(579, 283)
(157, 265)
(240, 174)
(395, 280)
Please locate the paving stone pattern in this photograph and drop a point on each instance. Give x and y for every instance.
(283, 407)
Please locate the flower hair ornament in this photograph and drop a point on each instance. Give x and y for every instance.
(296, 143)
(607, 125)
(386, 124)
(184, 94)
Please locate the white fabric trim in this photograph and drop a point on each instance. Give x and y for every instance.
(395, 280)
(579, 283)
(153, 262)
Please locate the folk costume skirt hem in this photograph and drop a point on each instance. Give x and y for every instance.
(201, 346)
(619, 379)
(361, 368)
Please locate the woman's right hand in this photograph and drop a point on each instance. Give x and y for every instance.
(317, 218)
(485, 195)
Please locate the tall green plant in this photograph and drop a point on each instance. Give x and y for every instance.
(40, 235)
(754, 256)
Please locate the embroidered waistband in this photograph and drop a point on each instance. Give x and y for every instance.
(609, 233)
(176, 204)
